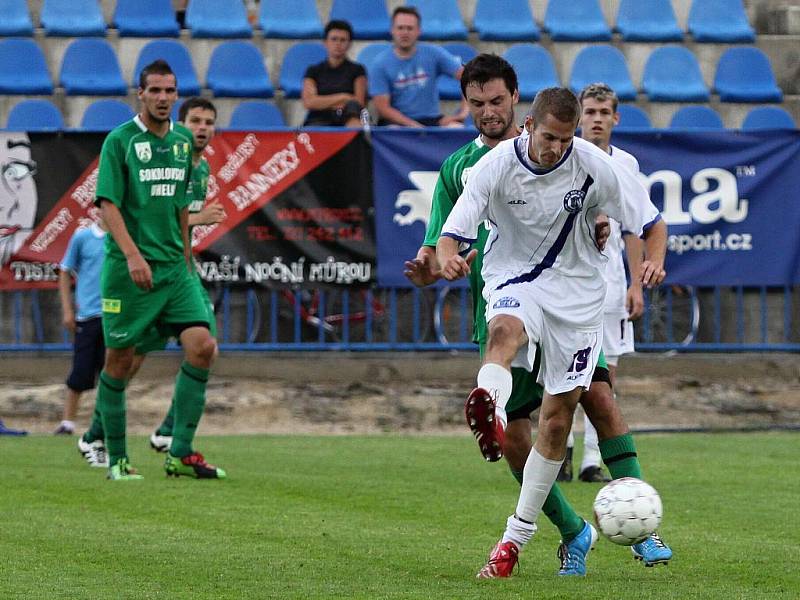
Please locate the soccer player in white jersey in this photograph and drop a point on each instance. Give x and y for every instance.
(544, 274)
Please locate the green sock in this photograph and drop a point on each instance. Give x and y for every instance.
(95, 431)
(169, 421)
(111, 404)
(559, 511)
(620, 456)
(190, 398)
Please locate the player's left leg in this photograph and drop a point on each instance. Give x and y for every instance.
(591, 470)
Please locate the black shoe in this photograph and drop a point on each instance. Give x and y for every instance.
(594, 474)
(565, 474)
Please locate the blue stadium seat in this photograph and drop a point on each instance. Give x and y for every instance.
(295, 62)
(16, 20)
(602, 63)
(369, 18)
(104, 115)
(745, 75)
(449, 88)
(505, 20)
(632, 117)
(237, 70)
(672, 74)
(696, 117)
(719, 21)
(256, 115)
(23, 56)
(577, 21)
(534, 67)
(90, 68)
(441, 19)
(298, 19)
(768, 117)
(370, 52)
(179, 59)
(176, 109)
(218, 19)
(35, 115)
(145, 18)
(73, 18)
(651, 21)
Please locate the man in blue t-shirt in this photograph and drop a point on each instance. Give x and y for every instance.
(402, 80)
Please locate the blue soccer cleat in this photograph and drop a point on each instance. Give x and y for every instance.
(652, 551)
(573, 553)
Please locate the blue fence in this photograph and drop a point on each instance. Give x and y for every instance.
(678, 318)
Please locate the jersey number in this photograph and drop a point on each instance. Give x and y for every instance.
(580, 360)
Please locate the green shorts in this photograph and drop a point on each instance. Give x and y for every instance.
(128, 311)
(154, 340)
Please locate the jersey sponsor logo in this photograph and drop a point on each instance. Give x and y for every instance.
(111, 305)
(506, 302)
(573, 200)
(418, 201)
(118, 335)
(181, 151)
(143, 151)
(518, 201)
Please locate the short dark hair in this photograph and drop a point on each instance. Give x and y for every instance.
(600, 92)
(407, 10)
(339, 24)
(195, 102)
(157, 67)
(485, 67)
(557, 101)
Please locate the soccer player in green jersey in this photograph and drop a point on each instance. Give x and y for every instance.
(148, 278)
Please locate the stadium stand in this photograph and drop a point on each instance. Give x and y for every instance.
(295, 62)
(72, 18)
(90, 68)
(16, 20)
(369, 18)
(534, 66)
(449, 88)
(602, 63)
(23, 56)
(505, 20)
(672, 74)
(104, 115)
(441, 19)
(237, 70)
(651, 21)
(719, 21)
(768, 117)
(576, 21)
(256, 115)
(745, 75)
(298, 19)
(696, 117)
(217, 19)
(145, 18)
(178, 57)
(370, 52)
(35, 115)
(632, 117)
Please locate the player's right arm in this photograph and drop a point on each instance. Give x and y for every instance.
(137, 266)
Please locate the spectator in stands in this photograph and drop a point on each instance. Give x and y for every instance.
(403, 81)
(335, 90)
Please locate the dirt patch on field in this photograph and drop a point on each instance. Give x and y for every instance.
(336, 394)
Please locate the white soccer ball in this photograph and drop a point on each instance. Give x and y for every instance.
(627, 510)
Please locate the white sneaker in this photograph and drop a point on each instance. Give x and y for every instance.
(94, 452)
(160, 443)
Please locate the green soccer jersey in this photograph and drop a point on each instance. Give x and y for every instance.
(452, 178)
(198, 187)
(147, 178)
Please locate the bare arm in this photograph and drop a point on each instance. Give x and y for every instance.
(634, 300)
(211, 213)
(391, 114)
(463, 110)
(360, 90)
(183, 217)
(65, 294)
(314, 101)
(424, 269)
(454, 266)
(655, 246)
(138, 268)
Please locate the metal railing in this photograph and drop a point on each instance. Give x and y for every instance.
(678, 318)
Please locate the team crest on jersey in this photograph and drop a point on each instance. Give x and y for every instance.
(506, 302)
(143, 151)
(573, 200)
(181, 151)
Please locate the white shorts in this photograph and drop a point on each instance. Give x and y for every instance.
(617, 337)
(569, 354)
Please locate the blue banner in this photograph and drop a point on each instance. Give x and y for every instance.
(731, 200)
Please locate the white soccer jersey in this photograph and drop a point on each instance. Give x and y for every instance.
(543, 223)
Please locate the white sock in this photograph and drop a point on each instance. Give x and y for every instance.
(68, 424)
(538, 477)
(591, 448)
(518, 531)
(497, 380)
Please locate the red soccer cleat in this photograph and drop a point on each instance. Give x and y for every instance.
(502, 561)
(487, 429)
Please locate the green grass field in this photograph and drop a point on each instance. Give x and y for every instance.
(380, 517)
